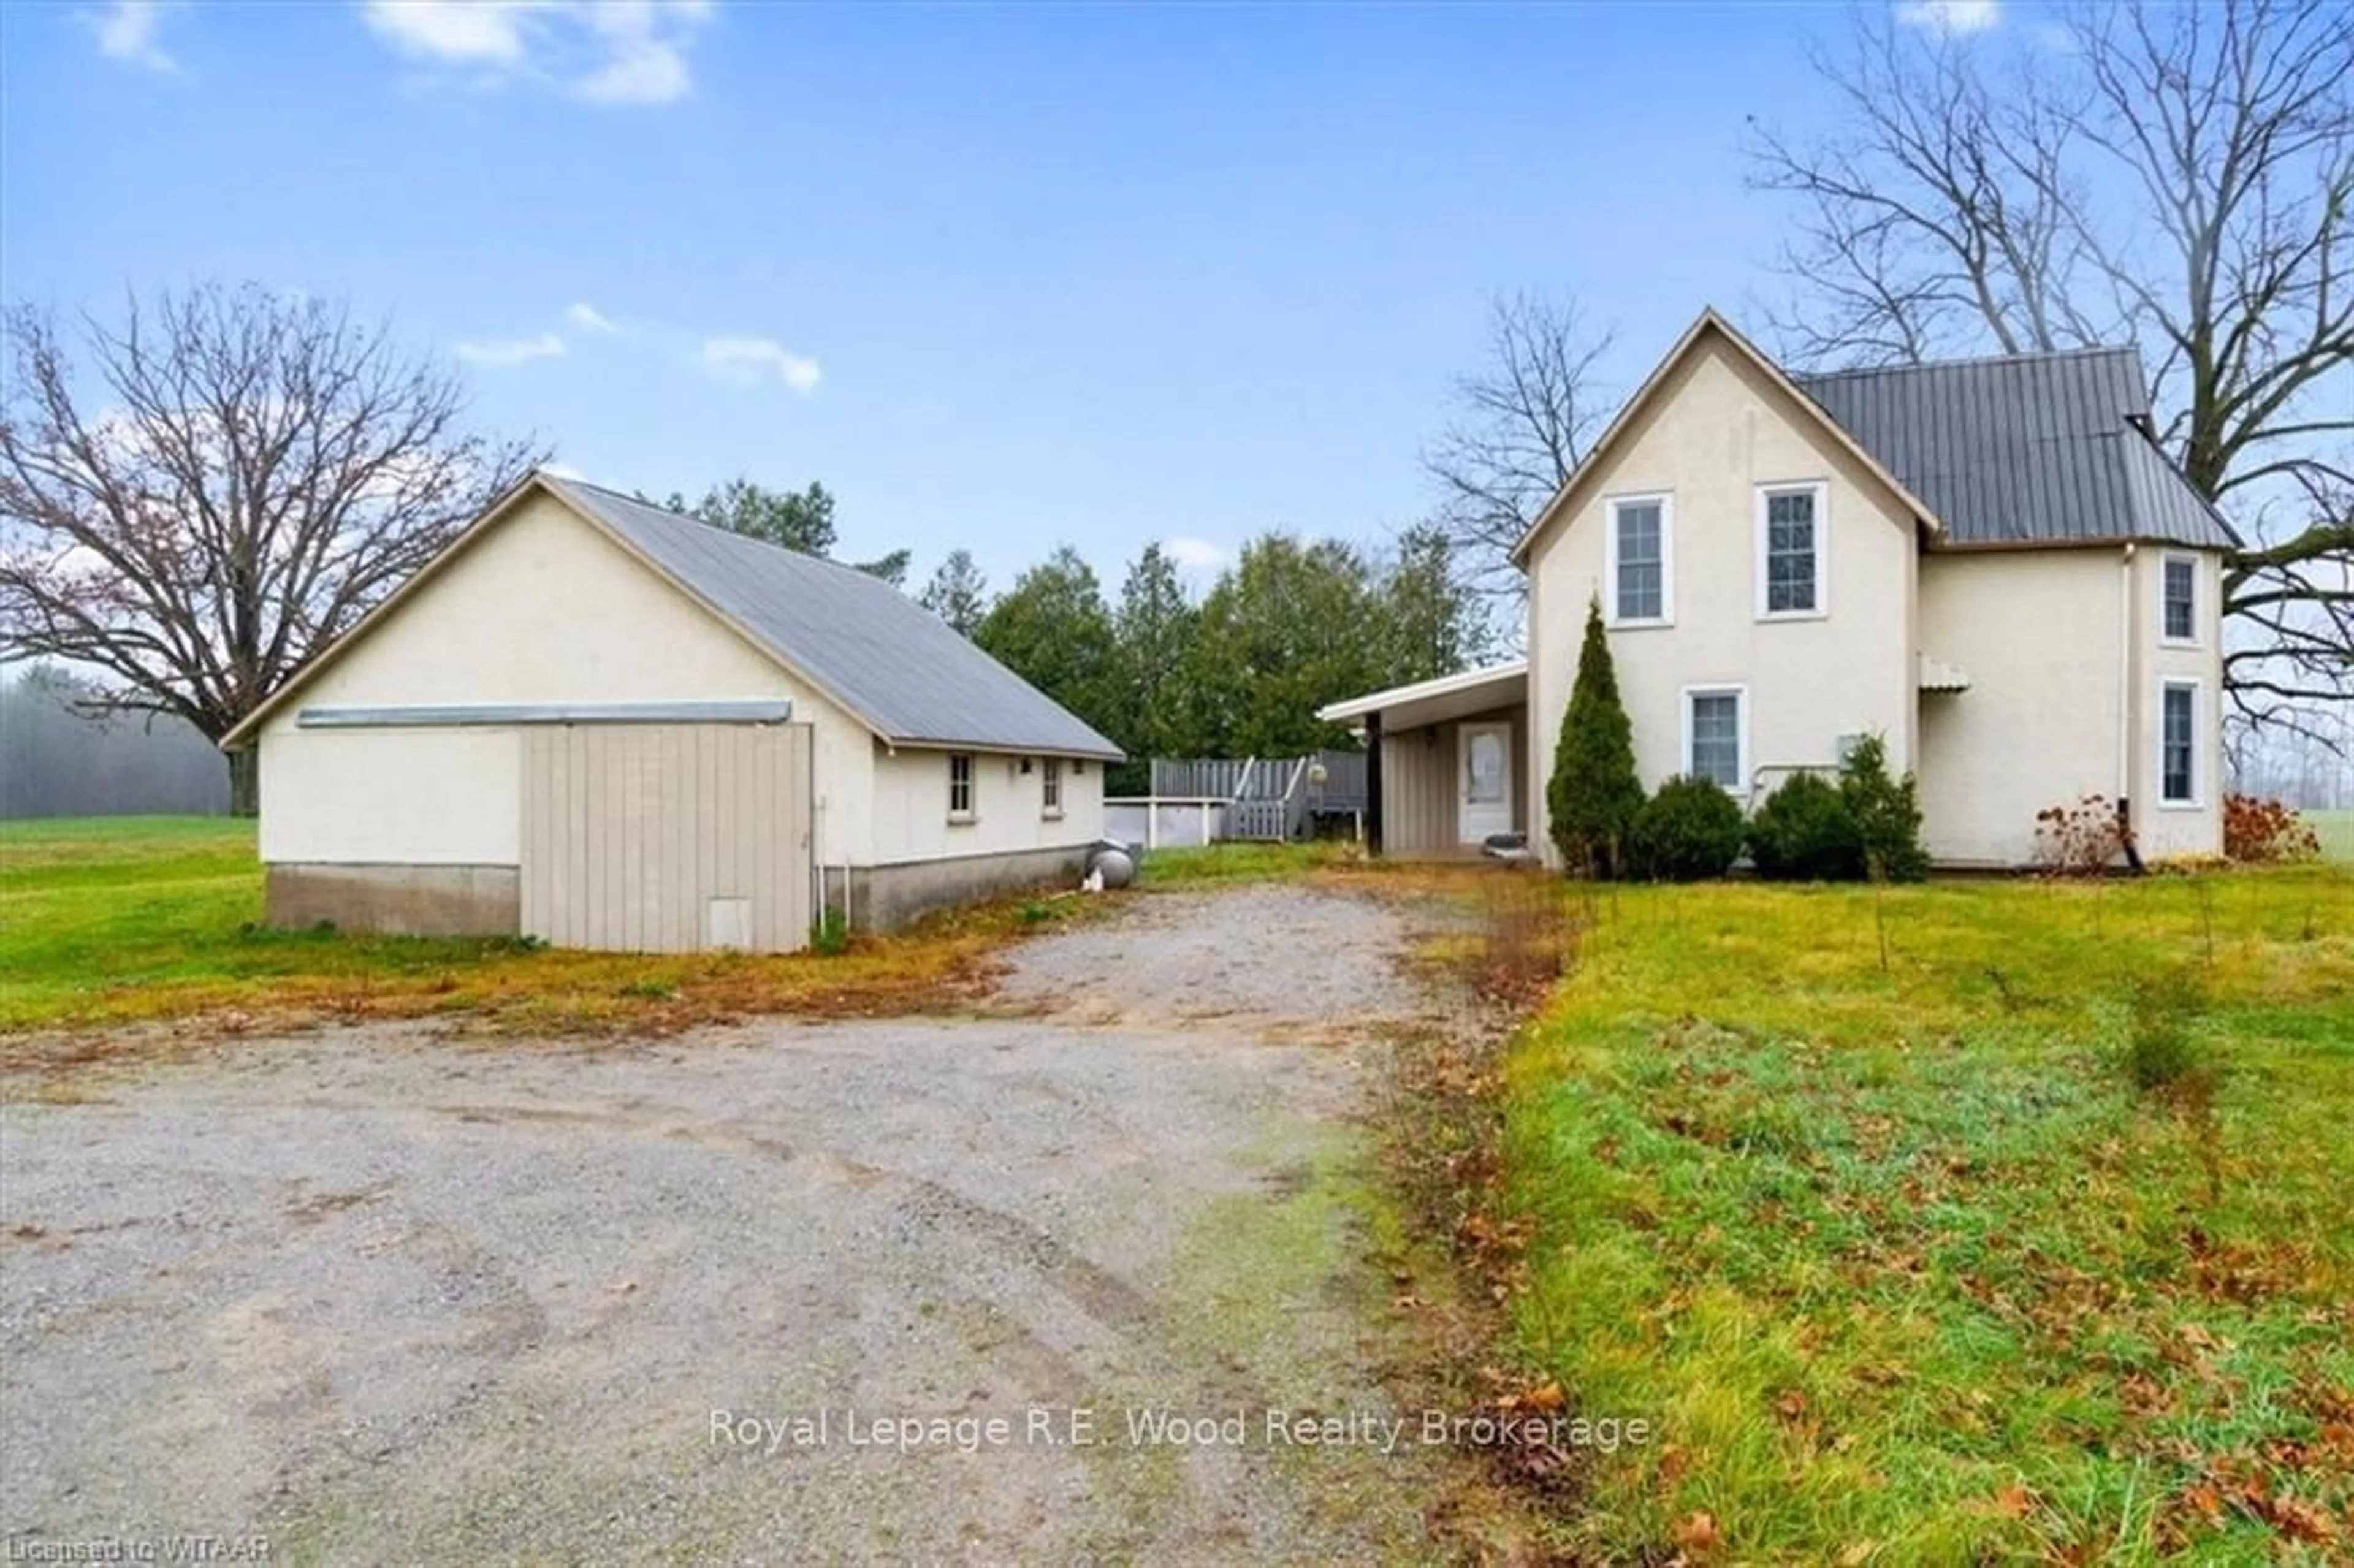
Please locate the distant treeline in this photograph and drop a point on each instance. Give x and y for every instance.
(55, 762)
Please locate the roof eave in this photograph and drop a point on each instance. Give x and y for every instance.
(1107, 752)
(1349, 708)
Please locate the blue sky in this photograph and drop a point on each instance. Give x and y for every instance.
(1000, 277)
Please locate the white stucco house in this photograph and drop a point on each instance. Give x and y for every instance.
(1989, 563)
(600, 722)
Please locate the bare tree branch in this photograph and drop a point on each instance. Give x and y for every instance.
(2178, 176)
(1523, 421)
(239, 478)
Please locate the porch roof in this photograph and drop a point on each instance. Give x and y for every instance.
(1435, 702)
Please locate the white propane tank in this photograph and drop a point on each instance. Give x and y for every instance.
(1115, 863)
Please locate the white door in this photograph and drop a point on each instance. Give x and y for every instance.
(1483, 773)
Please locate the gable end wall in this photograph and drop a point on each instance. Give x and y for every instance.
(542, 609)
(1720, 429)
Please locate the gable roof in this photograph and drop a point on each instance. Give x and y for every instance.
(2037, 449)
(886, 660)
(911, 677)
(1710, 323)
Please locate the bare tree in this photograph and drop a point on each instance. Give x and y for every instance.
(224, 484)
(1523, 421)
(2183, 177)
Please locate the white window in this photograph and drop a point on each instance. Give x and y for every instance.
(959, 786)
(1716, 734)
(1792, 541)
(1641, 566)
(1049, 787)
(2177, 609)
(2178, 743)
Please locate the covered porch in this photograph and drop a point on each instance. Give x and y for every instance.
(1447, 761)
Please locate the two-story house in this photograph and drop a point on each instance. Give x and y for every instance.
(1989, 563)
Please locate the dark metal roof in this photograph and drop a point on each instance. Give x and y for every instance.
(2035, 448)
(900, 669)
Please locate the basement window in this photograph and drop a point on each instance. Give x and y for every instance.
(959, 786)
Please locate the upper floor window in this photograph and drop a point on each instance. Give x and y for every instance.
(959, 786)
(1716, 735)
(1790, 550)
(2178, 743)
(1049, 787)
(1641, 559)
(2178, 598)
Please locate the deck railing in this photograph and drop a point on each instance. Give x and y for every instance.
(1198, 799)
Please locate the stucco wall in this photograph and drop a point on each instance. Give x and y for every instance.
(1721, 429)
(391, 796)
(911, 806)
(2178, 830)
(542, 609)
(2053, 643)
(2037, 633)
(1422, 784)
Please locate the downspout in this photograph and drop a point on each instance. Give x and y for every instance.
(2126, 707)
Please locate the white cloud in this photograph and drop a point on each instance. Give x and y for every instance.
(561, 470)
(588, 318)
(457, 32)
(749, 360)
(1952, 19)
(600, 51)
(127, 31)
(500, 352)
(1193, 555)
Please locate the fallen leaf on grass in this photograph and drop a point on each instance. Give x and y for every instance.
(1698, 1536)
(2303, 1521)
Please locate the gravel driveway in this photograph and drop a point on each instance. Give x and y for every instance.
(381, 1296)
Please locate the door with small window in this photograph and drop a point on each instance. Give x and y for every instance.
(1483, 769)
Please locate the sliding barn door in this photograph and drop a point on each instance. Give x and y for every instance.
(667, 838)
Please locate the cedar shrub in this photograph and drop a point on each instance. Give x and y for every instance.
(1594, 794)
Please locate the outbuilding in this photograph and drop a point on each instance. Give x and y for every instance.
(598, 723)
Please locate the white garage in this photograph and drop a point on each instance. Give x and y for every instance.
(608, 726)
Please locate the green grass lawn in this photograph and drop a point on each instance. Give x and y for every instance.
(2336, 832)
(1900, 1261)
(124, 919)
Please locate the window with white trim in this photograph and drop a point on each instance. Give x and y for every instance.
(2178, 743)
(959, 786)
(1716, 735)
(1049, 787)
(1790, 527)
(1641, 586)
(2178, 591)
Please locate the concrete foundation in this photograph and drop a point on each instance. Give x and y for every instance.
(883, 897)
(396, 900)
